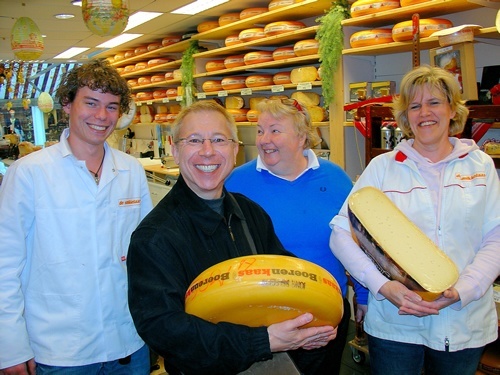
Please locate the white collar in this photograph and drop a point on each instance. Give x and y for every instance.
(312, 163)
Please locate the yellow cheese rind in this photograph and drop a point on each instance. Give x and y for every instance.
(260, 290)
(304, 74)
(399, 248)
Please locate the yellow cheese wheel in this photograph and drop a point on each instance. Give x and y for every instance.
(144, 95)
(157, 78)
(238, 114)
(140, 65)
(304, 74)
(228, 18)
(398, 247)
(234, 102)
(153, 46)
(372, 37)
(129, 68)
(140, 50)
(281, 27)
(251, 12)
(133, 82)
(249, 35)
(206, 26)
(259, 80)
(233, 82)
(171, 117)
(169, 75)
(255, 100)
(257, 57)
(232, 40)
(129, 54)
(282, 53)
(317, 113)
(119, 56)
(144, 80)
(306, 47)
(211, 86)
(306, 98)
(282, 78)
(159, 61)
(252, 115)
(170, 39)
(261, 290)
(234, 61)
(276, 4)
(403, 31)
(172, 93)
(161, 117)
(177, 74)
(364, 7)
(160, 94)
(214, 65)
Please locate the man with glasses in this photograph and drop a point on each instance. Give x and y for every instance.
(199, 224)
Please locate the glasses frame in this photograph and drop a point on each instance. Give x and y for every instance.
(187, 141)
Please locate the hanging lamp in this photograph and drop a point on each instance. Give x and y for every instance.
(26, 39)
(105, 17)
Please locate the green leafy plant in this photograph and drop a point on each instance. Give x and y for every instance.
(187, 68)
(331, 42)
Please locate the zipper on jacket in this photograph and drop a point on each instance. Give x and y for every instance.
(229, 227)
(446, 344)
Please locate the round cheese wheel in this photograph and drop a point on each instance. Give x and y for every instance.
(364, 7)
(282, 53)
(119, 56)
(281, 27)
(177, 74)
(276, 4)
(304, 74)
(159, 61)
(144, 95)
(306, 47)
(129, 68)
(140, 65)
(160, 94)
(157, 78)
(232, 40)
(239, 115)
(133, 82)
(211, 86)
(257, 57)
(154, 45)
(110, 59)
(207, 25)
(214, 65)
(259, 80)
(144, 80)
(161, 117)
(228, 18)
(251, 12)
(370, 37)
(260, 290)
(403, 31)
(169, 75)
(234, 102)
(254, 33)
(252, 115)
(171, 117)
(129, 54)
(141, 49)
(233, 82)
(170, 39)
(172, 92)
(282, 78)
(234, 61)
(405, 3)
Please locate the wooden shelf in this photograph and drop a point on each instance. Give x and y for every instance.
(289, 86)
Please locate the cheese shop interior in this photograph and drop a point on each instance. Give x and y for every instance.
(245, 50)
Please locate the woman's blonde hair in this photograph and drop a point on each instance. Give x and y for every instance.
(434, 78)
(279, 108)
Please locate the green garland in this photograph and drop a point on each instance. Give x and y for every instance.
(331, 43)
(187, 68)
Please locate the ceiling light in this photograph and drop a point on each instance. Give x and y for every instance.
(139, 18)
(198, 6)
(73, 51)
(120, 39)
(64, 16)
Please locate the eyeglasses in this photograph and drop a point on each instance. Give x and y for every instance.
(219, 141)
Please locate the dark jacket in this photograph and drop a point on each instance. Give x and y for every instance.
(179, 239)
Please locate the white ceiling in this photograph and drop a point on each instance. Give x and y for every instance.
(63, 34)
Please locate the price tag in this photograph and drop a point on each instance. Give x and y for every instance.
(304, 86)
(138, 104)
(277, 88)
(201, 95)
(222, 93)
(165, 100)
(178, 98)
(246, 91)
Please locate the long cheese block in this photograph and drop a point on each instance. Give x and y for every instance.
(260, 290)
(397, 246)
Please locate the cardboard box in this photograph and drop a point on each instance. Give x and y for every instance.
(383, 88)
(357, 90)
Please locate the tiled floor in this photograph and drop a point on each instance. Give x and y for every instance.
(349, 366)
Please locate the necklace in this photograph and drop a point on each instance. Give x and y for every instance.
(96, 174)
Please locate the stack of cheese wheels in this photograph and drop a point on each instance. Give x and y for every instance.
(276, 4)
(251, 12)
(282, 53)
(282, 27)
(364, 7)
(233, 82)
(403, 31)
(399, 248)
(249, 35)
(259, 80)
(306, 47)
(366, 38)
(257, 57)
(260, 290)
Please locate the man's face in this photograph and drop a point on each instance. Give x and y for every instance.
(205, 165)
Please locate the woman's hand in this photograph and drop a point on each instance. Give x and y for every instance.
(288, 335)
(26, 368)
(407, 301)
